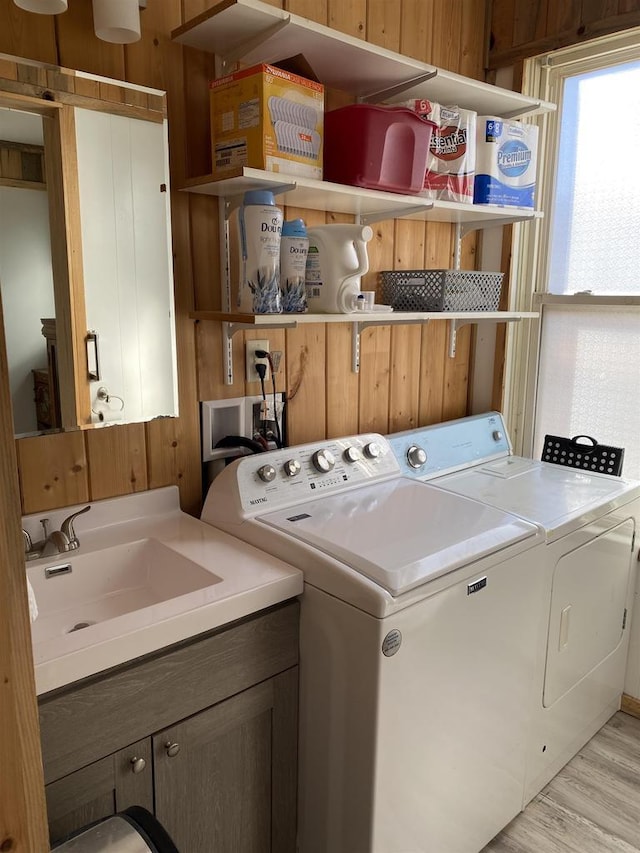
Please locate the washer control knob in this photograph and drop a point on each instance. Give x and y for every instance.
(351, 454)
(323, 461)
(292, 467)
(497, 435)
(267, 473)
(372, 450)
(416, 456)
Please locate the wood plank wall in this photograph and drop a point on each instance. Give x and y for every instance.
(406, 377)
(522, 28)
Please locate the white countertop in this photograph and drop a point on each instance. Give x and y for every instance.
(244, 581)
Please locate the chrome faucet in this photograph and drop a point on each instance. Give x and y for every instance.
(54, 542)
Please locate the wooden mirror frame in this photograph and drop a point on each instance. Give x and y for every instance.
(53, 93)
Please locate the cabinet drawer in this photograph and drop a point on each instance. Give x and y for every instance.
(93, 718)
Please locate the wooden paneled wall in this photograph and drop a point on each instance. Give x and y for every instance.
(522, 28)
(406, 376)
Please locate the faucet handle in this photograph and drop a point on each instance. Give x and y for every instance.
(28, 544)
(66, 528)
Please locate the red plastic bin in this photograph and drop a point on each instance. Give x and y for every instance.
(377, 147)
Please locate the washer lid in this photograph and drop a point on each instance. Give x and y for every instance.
(557, 498)
(400, 533)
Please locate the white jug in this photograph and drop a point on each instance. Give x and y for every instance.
(336, 261)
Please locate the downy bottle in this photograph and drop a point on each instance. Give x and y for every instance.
(260, 227)
(293, 262)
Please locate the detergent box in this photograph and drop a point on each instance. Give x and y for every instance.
(452, 151)
(267, 117)
(506, 161)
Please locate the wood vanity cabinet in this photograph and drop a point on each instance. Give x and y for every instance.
(203, 734)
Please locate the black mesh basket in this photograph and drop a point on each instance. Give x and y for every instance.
(441, 290)
(572, 453)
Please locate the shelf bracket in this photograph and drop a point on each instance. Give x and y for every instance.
(238, 52)
(356, 330)
(457, 254)
(390, 91)
(359, 326)
(479, 224)
(227, 352)
(459, 322)
(531, 108)
(404, 213)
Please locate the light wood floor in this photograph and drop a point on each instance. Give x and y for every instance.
(592, 805)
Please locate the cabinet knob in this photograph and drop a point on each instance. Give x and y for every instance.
(172, 748)
(138, 764)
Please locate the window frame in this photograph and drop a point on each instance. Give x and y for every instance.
(543, 78)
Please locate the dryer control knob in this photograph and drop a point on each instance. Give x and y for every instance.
(351, 454)
(267, 473)
(416, 456)
(372, 450)
(292, 467)
(497, 435)
(323, 461)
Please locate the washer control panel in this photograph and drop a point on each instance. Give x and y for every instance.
(267, 481)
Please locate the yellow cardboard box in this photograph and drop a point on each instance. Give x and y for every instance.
(267, 118)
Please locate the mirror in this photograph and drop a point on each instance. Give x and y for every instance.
(26, 275)
(85, 250)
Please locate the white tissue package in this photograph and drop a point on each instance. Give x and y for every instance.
(506, 162)
(452, 151)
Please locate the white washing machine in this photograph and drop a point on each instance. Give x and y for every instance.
(419, 621)
(588, 520)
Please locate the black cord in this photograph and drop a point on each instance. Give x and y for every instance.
(275, 407)
(261, 370)
(264, 354)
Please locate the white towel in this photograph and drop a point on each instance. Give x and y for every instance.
(33, 607)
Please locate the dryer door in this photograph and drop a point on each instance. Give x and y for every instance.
(588, 596)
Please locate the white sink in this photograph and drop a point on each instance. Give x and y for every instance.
(145, 576)
(78, 592)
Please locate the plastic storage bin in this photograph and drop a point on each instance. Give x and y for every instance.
(383, 148)
(441, 290)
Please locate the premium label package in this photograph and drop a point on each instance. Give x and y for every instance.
(506, 162)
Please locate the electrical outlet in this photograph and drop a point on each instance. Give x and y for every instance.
(251, 360)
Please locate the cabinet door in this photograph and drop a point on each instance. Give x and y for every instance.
(225, 779)
(100, 790)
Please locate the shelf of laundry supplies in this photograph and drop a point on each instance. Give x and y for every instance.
(368, 205)
(252, 31)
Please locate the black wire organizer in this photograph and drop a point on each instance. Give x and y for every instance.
(591, 456)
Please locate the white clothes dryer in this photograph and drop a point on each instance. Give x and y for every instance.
(419, 621)
(588, 520)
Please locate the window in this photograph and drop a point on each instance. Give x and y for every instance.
(596, 203)
(581, 268)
